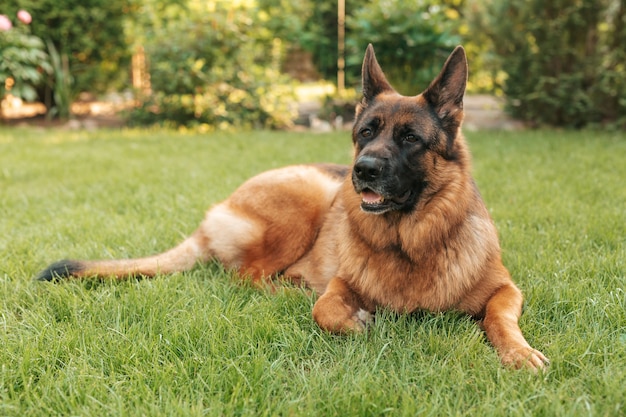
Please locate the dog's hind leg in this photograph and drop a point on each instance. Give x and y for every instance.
(264, 227)
(271, 221)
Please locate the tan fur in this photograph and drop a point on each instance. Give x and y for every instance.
(309, 223)
(180, 258)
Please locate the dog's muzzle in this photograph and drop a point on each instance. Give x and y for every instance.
(369, 178)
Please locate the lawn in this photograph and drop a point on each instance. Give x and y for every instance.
(200, 343)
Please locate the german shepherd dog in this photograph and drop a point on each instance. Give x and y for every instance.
(404, 228)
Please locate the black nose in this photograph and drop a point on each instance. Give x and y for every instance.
(368, 168)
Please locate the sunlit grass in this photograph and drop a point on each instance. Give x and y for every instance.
(200, 343)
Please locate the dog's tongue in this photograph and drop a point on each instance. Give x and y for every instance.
(371, 197)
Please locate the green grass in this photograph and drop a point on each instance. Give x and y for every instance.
(199, 343)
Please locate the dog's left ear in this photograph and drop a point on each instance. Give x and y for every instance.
(445, 93)
(374, 80)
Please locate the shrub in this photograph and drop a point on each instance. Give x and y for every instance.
(411, 39)
(564, 60)
(23, 60)
(213, 64)
(89, 32)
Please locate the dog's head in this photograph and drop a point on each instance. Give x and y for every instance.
(399, 140)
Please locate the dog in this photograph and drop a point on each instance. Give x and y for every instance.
(404, 228)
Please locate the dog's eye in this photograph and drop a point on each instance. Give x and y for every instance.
(411, 138)
(366, 133)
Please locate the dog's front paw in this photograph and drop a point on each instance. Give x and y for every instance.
(340, 310)
(525, 357)
(362, 319)
(335, 316)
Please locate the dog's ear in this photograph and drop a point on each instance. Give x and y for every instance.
(445, 93)
(374, 80)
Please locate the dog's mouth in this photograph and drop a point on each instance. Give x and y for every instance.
(373, 202)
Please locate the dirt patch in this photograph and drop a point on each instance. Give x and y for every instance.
(487, 112)
(88, 115)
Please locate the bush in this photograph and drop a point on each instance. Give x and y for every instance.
(219, 106)
(23, 60)
(89, 32)
(564, 60)
(213, 64)
(411, 39)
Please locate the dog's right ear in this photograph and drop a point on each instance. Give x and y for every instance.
(445, 93)
(374, 80)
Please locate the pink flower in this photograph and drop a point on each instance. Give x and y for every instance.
(5, 23)
(24, 17)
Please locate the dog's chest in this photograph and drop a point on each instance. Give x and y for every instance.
(392, 280)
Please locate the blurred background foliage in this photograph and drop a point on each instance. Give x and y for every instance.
(89, 32)
(564, 61)
(233, 63)
(412, 39)
(214, 64)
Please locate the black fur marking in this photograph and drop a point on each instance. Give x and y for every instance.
(59, 270)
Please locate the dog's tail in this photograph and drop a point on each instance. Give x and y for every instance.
(180, 258)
